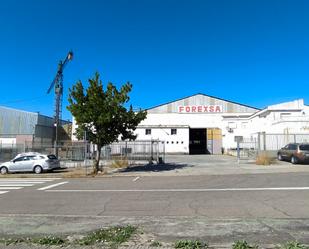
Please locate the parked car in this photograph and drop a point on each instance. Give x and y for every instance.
(30, 162)
(294, 152)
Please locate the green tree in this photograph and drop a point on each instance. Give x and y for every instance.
(102, 113)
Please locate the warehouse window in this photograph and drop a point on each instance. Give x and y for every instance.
(148, 131)
(283, 115)
(173, 131)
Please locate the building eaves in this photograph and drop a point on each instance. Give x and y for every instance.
(266, 110)
(163, 126)
(17, 110)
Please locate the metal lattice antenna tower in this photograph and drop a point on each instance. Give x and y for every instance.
(58, 84)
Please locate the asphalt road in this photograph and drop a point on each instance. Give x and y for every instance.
(254, 203)
(229, 196)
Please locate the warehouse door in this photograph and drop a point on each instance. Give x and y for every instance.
(197, 141)
(214, 141)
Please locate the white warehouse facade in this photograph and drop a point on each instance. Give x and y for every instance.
(202, 124)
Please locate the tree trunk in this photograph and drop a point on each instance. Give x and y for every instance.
(97, 160)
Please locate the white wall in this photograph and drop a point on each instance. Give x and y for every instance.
(189, 120)
(178, 143)
(74, 126)
(289, 117)
(7, 142)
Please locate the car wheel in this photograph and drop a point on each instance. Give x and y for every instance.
(280, 157)
(4, 170)
(38, 169)
(294, 160)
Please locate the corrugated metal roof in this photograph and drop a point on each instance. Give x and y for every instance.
(203, 99)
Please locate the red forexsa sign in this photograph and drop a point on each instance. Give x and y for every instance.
(199, 108)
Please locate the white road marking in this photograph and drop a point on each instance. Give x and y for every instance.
(16, 185)
(10, 188)
(182, 190)
(30, 179)
(52, 186)
(19, 183)
(135, 179)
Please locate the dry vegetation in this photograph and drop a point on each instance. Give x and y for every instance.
(264, 159)
(119, 164)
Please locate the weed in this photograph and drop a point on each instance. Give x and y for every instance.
(293, 245)
(190, 244)
(155, 244)
(49, 240)
(114, 236)
(242, 244)
(12, 241)
(264, 159)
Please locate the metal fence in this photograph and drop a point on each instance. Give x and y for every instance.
(269, 142)
(150, 150)
(248, 147)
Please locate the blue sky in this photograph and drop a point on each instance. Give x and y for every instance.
(251, 52)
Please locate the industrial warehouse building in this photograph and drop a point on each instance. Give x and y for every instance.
(202, 124)
(19, 127)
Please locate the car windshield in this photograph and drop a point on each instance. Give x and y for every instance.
(52, 157)
(304, 147)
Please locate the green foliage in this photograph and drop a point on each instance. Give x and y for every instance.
(49, 240)
(102, 113)
(190, 244)
(12, 241)
(293, 245)
(242, 244)
(114, 236)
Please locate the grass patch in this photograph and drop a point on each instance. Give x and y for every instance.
(264, 159)
(293, 245)
(49, 240)
(13, 241)
(112, 236)
(242, 244)
(190, 244)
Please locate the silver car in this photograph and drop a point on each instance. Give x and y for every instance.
(30, 162)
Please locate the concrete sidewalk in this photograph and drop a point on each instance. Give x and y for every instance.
(208, 165)
(181, 165)
(219, 232)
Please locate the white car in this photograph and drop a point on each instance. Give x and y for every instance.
(30, 162)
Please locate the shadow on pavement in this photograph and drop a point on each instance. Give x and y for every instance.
(155, 167)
